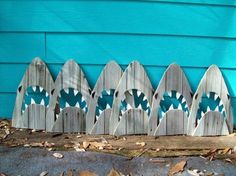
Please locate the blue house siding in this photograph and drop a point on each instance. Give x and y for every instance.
(194, 34)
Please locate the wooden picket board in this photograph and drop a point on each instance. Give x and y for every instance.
(108, 79)
(173, 79)
(34, 116)
(212, 81)
(70, 76)
(134, 77)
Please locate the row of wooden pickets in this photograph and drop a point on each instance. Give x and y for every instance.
(123, 116)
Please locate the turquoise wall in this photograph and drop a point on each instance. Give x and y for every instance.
(194, 34)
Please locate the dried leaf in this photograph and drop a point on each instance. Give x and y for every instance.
(226, 150)
(113, 172)
(69, 173)
(157, 160)
(141, 143)
(229, 160)
(85, 144)
(179, 167)
(58, 155)
(44, 173)
(87, 173)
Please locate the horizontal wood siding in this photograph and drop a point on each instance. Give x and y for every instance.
(193, 34)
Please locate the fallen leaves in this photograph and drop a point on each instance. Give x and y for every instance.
(87, 173)
(113, 172)
(58, 155)
(44, 173)
(142, 144)
(179, 167)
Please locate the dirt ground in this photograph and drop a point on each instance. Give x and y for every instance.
(157, 149)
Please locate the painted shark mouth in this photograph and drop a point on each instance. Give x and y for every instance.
(172, 100)
(134, 99)
(104, 102)
(210, 102)
(35, 95)
(70, 97)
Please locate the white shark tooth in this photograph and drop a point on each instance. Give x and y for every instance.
(180, 107)
(67, 105)
(42, 102)
(47, 105)
(147, 111)
(171, 107)
(120, 117)
(178, 95)
(66, 91)
(34, 88)
(40, 89)
(82, 99)
(221, 103)
(61, 109)
(108, 106)
(23, 111)
(57, 115)
(32, 101)
(162, 113)
(216, 109)
(208, 109)
(131, 92)
(208, 95)
(84, 109)
(122, 112)
(215, 96)
(97, 117)
(77, 105)
(144, 98)
(129, 106)
(75, 92)
(46, 94)
(108, 92)
(138, 93)
(26, 106)
(139, 106)
(202, 114)
(170, 93)
(100, 111)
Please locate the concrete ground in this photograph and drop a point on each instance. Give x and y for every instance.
(33, 161)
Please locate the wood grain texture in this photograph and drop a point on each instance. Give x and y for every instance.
(108, 80)
(173, 79)
(34, 117)
(134, 77)
(70, 76)
(212, 81)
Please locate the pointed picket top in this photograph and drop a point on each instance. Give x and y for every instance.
(108, 79)
(134, 77)
(37, 74)
(70, 76)
(173, 79)
(212, 81)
